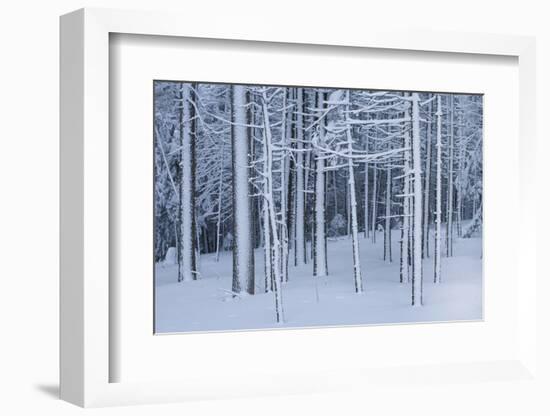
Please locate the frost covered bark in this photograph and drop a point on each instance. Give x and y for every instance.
(187, 261)
(427, 186)
(387, 220)
(405, 262)
(320, 243)
(450, 181)
(437, 213)
(374, 203)
(269, 203)
(299, 246)
(357, 277)
(366, 201)
(243, 254)
(417, 214)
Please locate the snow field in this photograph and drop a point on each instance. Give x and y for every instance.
(208, 305)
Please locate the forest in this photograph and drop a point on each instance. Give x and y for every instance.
(282, 206)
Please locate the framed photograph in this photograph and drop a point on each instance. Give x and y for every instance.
(270, 213)
(260, 190)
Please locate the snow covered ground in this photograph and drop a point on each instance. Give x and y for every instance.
(206, 304)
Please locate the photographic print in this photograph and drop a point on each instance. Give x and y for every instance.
(296, 207)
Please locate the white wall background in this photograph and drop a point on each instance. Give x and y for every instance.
(29, 206)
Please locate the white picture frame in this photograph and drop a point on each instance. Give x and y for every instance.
(85, 228)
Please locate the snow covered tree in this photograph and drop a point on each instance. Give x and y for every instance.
(187, 270)
(387, 219)
(427, 184)
(374, 208)
(284, 168)
(299, 216)
(405, 262)
(320, 242)
(366, 201)
(437, 213)
(417, 212)
(269, 203)
(357, 278)
(243, 252)
(450, 180)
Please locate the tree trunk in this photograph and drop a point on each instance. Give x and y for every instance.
(348, 211)
(266, 227)
(299, 248)
(427, 177)
(270, 208)
(437, 222)
(459, 176)
(374, 203)
(405, 270)
(387, 222)
(353, 205)
(335, 192)
(285, 129)
(450, 184)
(319, 242)
(187, 268)
(366, 192)
(417, 217)
(243, 252)
(219, 215)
